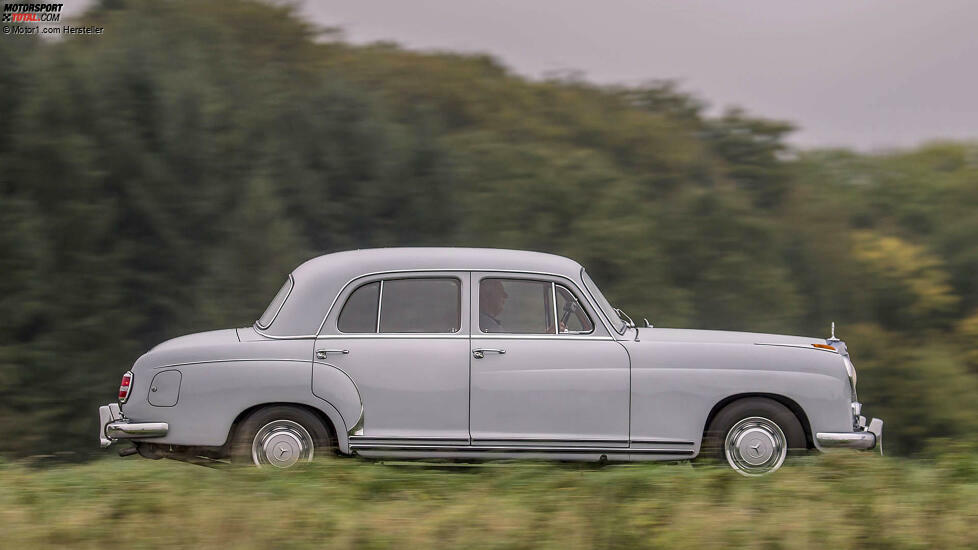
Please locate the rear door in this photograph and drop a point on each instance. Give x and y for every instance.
(403, 340)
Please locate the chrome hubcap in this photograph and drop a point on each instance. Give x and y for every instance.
(755, 446)
(281, 443)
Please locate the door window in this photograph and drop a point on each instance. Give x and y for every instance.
(420, 305)
(360, 312)
(431, 305)
(571, 317)
(515, 306)
(525, 306)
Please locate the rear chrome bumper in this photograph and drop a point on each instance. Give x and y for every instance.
(113, 425)
(868, 438)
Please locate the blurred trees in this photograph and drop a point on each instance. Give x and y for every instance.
(165, 177)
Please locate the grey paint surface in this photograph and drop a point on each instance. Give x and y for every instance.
(562, 396)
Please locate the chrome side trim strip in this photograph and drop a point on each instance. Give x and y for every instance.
(227, 361)
(507, 336)
(661, 442)
(570, 442)
(505, 449)
(373, 336)
(803, 346)
(419, 438)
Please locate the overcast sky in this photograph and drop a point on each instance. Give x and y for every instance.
(868, 74)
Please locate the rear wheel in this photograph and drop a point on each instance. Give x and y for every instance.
(753, 435)
(280, 437)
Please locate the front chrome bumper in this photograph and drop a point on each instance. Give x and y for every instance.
(114, 425)
(868, 437)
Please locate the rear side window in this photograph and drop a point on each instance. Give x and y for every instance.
(360, 312)
(421, 305)
(428, 305)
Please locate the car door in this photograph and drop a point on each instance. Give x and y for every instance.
(403, 341)
(544, 371)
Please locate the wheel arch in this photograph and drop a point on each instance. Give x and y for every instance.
(791, 404)
(328, 420)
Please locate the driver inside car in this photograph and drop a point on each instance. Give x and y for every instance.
(492, 301)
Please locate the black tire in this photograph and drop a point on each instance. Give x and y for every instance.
(737, 414)
(290, 434)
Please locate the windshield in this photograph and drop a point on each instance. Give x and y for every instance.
(266, 318)
(603, 303)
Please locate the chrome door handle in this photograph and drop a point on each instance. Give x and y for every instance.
(324, 353)
(480, 353)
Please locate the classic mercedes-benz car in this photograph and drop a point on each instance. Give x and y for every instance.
(459, 353)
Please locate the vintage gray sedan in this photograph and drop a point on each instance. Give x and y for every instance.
(459, 353)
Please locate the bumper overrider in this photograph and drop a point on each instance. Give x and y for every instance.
(113, 425)
(864, 437)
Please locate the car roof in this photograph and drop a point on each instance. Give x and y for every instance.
(318, 281)
(358, 262)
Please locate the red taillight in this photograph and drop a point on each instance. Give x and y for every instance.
(125, 386)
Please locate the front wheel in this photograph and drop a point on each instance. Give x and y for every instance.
(753, 436)
(280, 437)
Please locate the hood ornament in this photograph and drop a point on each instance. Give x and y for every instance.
(833, 338)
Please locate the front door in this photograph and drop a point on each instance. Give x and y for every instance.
(544, 372)
(407, 350)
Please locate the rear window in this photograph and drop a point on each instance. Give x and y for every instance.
(273, 308)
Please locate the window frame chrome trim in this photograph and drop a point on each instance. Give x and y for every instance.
(380, 306)
(553, 299)
(548, 336)
(445, 270)
(380, 284)
(574, 332)
(553, 303)
(586, 294)
(380, 301)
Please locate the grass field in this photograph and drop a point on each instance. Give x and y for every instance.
(843, 500)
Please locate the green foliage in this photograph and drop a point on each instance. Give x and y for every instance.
(839, 500)
(164, 178)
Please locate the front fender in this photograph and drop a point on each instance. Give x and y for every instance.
(675, 385)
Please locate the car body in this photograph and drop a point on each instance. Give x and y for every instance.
(405, 353)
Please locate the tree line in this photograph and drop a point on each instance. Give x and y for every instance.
(164, 178)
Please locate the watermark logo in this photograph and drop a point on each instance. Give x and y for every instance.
(32, 13)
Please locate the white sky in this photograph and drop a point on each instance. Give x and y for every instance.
(868, 74)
